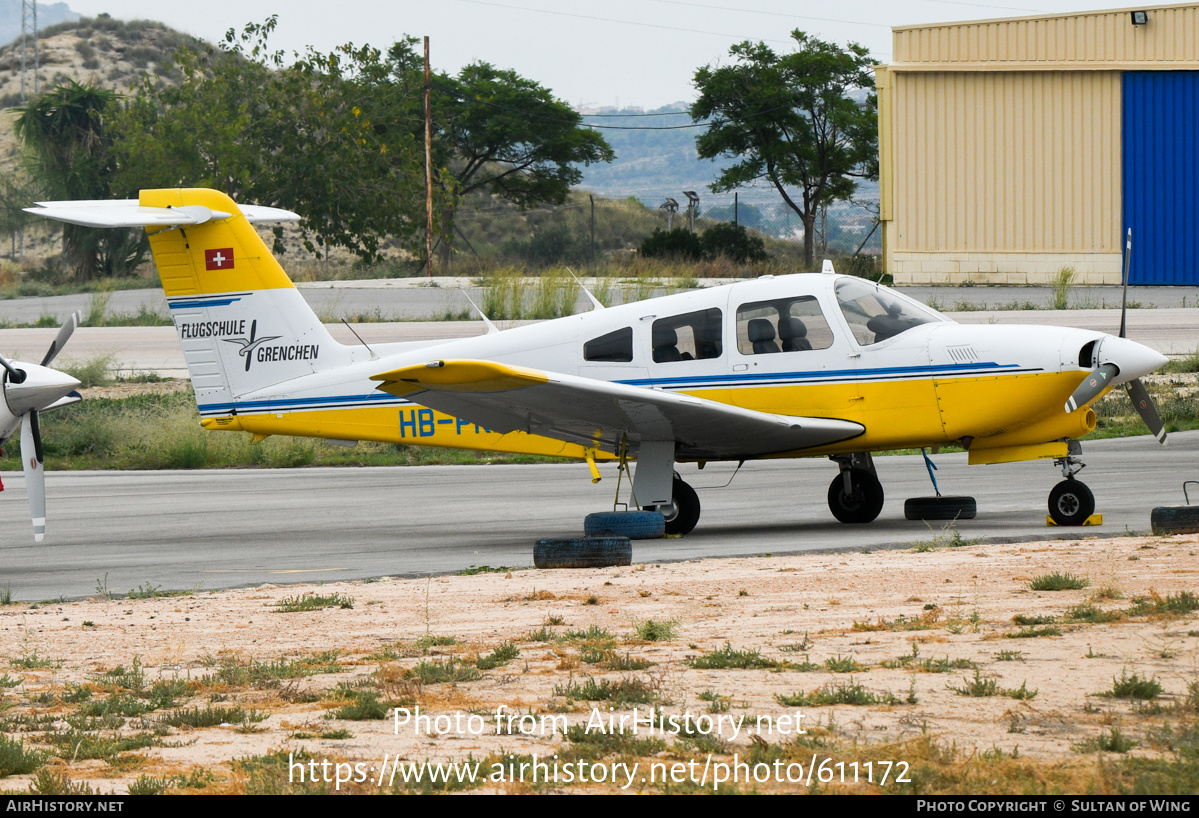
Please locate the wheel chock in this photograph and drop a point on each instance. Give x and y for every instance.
(1094, 519)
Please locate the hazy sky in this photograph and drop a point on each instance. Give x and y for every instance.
(610, 52)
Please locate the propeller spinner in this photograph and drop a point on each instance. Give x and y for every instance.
(27, 390)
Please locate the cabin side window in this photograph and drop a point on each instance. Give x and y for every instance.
(690, 337)
(616, 347)
(782, 325)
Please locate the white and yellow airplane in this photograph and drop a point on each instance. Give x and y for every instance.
(816, 365)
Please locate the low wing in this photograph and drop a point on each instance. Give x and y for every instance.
(600, 413)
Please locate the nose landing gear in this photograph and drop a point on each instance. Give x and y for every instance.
(1070, 501)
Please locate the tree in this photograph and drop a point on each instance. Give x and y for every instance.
(330, 136)
(507, 135)
(65, 131)
(793, 121)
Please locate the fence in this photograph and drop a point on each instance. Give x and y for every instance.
(589, 229)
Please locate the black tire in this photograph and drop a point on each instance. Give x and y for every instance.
(583, 552)
(940, 508)
(683, 512)
(863, 505)
(636, 525)
(1175, 520)
(1071, 503)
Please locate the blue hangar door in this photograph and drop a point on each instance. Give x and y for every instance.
(1161, 175)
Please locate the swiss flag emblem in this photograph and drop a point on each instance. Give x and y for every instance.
(220, 259)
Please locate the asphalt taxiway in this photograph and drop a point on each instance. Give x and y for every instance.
(118, 531)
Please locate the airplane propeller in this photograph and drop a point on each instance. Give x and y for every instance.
(27, 390)
(1134, 359)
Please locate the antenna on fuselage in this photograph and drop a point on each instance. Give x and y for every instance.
(827, 267)
(374, 357)
(595, 303)
(491, 328)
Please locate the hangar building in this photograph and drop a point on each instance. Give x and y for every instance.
(1012, 148)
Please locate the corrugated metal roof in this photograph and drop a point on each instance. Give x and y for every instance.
(1096, 39)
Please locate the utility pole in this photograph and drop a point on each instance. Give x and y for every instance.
(428, 168)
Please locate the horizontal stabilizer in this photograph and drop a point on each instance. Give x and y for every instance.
(128, 213)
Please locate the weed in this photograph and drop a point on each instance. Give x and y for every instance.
(484, 569)
(1133, 687)
(365, 706)
(844, 693)
(450, 670)
(727, 657)
(542, 634)
(844, 664)
(312, 602)
(210, 717)
(615, 661)
(1022, 692)
(32, 661)
(716, 702)
(652, 630)
(48, 782)
(426, 642)
(147, 785)
(1032, 633)
(594, 635)
(15, 759)
(1183, 602)
(1111, 742)
(978, 687)
(1037, 619)
(629, 690)
(498, 657)
(6, 596)
(1087, 612)
(1060, 286)
(1059, 582)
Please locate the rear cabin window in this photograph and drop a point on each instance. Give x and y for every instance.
(615, 346)
(690, 337)
(782, 325)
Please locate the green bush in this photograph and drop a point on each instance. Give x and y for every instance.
(733, 242)
(679, 244)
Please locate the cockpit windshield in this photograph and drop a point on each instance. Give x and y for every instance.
(875, 313)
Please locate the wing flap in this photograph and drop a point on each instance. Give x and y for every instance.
(601, 413)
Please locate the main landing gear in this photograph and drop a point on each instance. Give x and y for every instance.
(1070, 501)
(683, 512)
(855, 495)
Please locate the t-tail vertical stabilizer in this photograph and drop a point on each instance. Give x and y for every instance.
(243, 325)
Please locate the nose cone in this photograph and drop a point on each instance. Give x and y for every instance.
(40, 387)
(1133, 359)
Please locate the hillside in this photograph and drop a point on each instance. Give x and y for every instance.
(48, 14)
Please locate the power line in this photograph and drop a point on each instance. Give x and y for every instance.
(772, 13)
(723, 34)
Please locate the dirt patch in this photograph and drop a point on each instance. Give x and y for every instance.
(914, 633)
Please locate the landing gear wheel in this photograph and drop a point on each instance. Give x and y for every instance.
(863, 504)
(636, 525)
(683, 512)
(1071, 502)
(583, 552)
(940, 508)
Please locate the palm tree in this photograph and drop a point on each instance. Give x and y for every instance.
(64, 132)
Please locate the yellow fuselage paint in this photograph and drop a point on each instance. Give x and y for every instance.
(996, 411)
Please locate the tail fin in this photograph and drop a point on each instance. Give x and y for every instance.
(242, 324)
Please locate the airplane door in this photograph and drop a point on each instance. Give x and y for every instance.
(786, 357)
